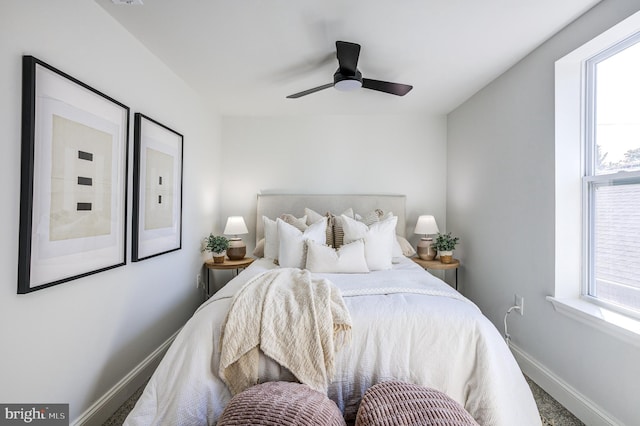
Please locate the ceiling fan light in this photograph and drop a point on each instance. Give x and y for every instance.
(347, 85)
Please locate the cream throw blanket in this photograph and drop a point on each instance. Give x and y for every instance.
(297, 320)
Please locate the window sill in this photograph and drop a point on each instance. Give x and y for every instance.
(610, 322)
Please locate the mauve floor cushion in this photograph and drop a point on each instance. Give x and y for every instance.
(281, 404)
(396, 403)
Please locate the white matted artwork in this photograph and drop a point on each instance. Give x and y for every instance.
(157, 187)
(74, 179)
(159, 180)
(80, 180)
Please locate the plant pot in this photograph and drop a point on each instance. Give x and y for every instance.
(446, 256)
(219, 257)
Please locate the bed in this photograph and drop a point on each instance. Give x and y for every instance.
(406, 325)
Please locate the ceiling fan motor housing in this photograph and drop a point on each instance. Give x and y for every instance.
(347, 82)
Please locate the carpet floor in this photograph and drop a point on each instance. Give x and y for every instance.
(551, 412)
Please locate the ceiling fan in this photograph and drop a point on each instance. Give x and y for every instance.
(347, 77)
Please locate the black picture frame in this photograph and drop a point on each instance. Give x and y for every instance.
(73, 183)
(157, 189)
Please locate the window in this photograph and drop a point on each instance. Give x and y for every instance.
(597, 182)
(611, 181)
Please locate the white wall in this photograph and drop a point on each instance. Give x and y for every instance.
(72, 342)
(500, 199)
(334, 155)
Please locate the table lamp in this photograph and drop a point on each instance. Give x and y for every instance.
(236, 226)
(426, 226)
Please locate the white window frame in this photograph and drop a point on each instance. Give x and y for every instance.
(591, 179)
(571, 229)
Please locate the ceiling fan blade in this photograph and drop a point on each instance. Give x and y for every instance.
(387, 87)
(303, 67)
(310, 91)
(347, 54)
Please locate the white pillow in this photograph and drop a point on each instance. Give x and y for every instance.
(378, 239)
(271, 242)
(405, 246)
(300, 223)
(349, 258)
(378, 215)
(291, 253)
(259, 250)
(312, 216)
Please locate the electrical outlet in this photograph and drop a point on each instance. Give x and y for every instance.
(519, 301)
(198, 281)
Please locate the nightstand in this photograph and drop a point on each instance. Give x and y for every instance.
(228, 264)
(438, 266)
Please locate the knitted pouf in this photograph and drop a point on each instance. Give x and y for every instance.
(395, 403)
(281, 403)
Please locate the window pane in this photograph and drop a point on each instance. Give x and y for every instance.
(617, 112)
(617, 244)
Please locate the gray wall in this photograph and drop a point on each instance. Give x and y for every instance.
(500, 200)
(73, 342)
(357, 154)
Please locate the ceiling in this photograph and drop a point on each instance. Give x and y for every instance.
(246, 56)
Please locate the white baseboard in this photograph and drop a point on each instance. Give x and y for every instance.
(104, 407)
(581, 406)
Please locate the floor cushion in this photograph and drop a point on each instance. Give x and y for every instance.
(396, 403)
(281, 403)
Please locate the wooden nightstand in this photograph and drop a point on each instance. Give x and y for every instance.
(438, 266)
(228, 264)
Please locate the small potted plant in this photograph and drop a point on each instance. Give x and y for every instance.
(445, 244)
(217, 245)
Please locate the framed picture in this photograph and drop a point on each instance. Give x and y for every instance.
(73, 200)
(157, 189)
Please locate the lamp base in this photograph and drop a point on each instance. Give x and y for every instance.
(237, 249)
(424, 249)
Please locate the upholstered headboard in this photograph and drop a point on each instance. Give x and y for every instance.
(273, 205)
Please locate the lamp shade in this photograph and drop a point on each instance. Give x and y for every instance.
(426, 225)
(235, 226)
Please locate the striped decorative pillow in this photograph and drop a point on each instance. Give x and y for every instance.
(335, 232)
(338, 227)
(371, 217)
(338, 231)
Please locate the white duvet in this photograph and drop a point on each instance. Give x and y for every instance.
(407, 325)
